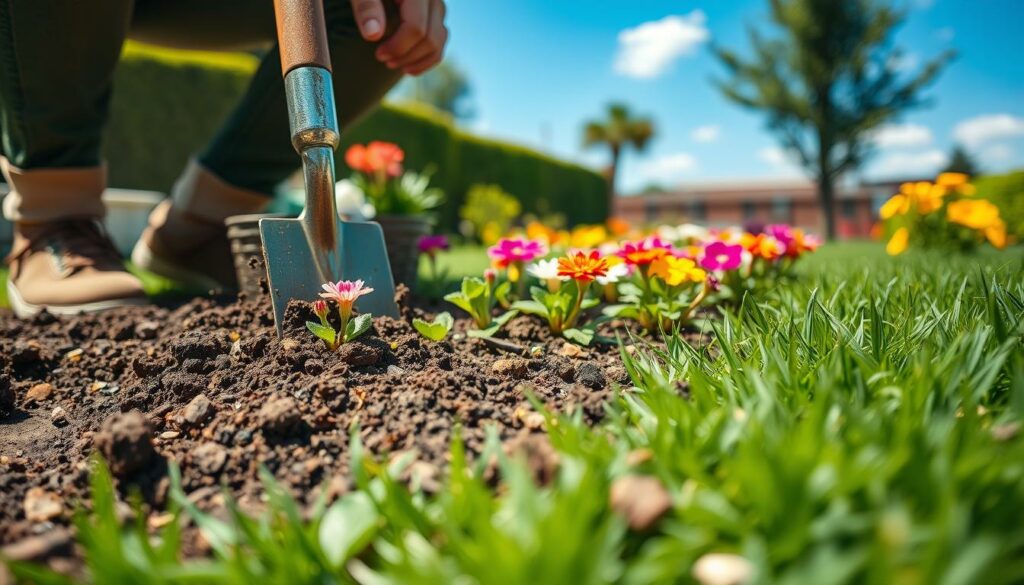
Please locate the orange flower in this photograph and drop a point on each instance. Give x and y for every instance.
(583, 267)
(675, 271)
(976, 214)
(761, 246)
(376, 157)
(996, 234)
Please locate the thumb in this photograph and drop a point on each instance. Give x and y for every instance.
(370, 17)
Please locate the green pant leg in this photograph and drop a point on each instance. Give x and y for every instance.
(57, 60)
(253, 149)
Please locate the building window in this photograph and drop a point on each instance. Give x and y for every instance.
(698, 210)
(848, 208)
(749, 209)
(651, 209)
(782, 210)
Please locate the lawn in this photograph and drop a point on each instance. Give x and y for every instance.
(859, 424)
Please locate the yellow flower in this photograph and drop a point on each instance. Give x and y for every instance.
(896, 205)
(952, 179)
(930, 199)
(588, 236)
(675, 271)
(898, 242)
(996, 234)
(976, 214)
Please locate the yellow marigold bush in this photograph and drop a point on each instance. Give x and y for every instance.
(943, 214)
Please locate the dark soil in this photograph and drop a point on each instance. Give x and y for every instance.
(208, 385)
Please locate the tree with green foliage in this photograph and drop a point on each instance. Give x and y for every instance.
(961, 161)
(444, 87)
(619, 130)
(825, 80)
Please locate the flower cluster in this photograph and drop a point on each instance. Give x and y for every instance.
(344, 293)
(379, 174)
(944, 214)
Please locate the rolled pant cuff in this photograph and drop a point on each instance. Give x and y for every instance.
(52, 194)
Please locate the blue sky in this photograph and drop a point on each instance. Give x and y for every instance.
(540, 68)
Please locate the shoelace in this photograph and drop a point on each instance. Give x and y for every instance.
(76, 244)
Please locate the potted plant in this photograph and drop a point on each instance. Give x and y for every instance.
(403, 201)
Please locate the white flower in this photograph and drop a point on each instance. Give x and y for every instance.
(351, 202)
(691, 232)
(722, 569)
(616, 273)
(667, 232)
(545, 270)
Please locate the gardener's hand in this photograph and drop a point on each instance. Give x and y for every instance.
(417, 44)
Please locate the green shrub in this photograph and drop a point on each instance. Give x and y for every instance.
(490, 211)
(1007, 192)
(167, 104)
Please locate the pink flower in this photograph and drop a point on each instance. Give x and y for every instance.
(345, 292)
(320, 308)
(721, 256)
(431, 245)
(515, 250)
(781, 232)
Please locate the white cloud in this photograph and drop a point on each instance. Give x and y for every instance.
(982, 129)
(707, 133)
(648, 50)
(909, 164)
(774, 156)
(997, 153)
(901, 136)
(668, 168)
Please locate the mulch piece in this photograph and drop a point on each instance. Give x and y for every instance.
(207, 384)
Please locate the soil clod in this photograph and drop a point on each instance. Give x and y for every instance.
(125, 441)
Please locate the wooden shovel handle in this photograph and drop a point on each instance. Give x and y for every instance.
(302, 34)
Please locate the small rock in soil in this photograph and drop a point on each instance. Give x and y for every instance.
(125, 441)
(590, 375)
(39, 393)
(59, 416)
(209, 458)
(37, 548)
(41, 505)
(146, 329)
(640, 499)
(514, 367)
(198, 411)
(280, 416)
(535, 449)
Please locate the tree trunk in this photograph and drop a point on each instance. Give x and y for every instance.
(613, 170)
(826, 195)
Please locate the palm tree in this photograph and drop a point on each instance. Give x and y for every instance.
(618, 130)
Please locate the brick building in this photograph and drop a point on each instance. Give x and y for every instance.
(761, 201)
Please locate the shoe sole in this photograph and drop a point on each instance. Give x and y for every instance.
(143, 257)
(24, 309)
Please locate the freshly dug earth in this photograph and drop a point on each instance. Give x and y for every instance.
(209, 386)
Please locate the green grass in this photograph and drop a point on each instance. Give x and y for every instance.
(852, 426)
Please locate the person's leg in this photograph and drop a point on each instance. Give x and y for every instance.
(57, 59)
(252, 153)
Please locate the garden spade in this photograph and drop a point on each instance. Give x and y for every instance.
(303, 253)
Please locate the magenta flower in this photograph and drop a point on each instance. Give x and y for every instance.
(719, 255)
(781, 232)
(320, 308)
(431, 245)
(714, 285)
(515, 250)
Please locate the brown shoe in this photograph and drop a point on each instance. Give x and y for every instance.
(67, 267)
(186, 239)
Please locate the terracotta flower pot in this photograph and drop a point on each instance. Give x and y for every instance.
(401, 233)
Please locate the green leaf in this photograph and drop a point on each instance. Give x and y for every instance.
(589, 303)
(323, 332)
(460, 300)
(358, 325)
(348, 527)
(531, 308)
(496, 324)
(437, 329)
(473, 287)
(502, 291)
(580, 336)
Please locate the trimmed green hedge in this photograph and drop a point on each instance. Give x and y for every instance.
(167, 104)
